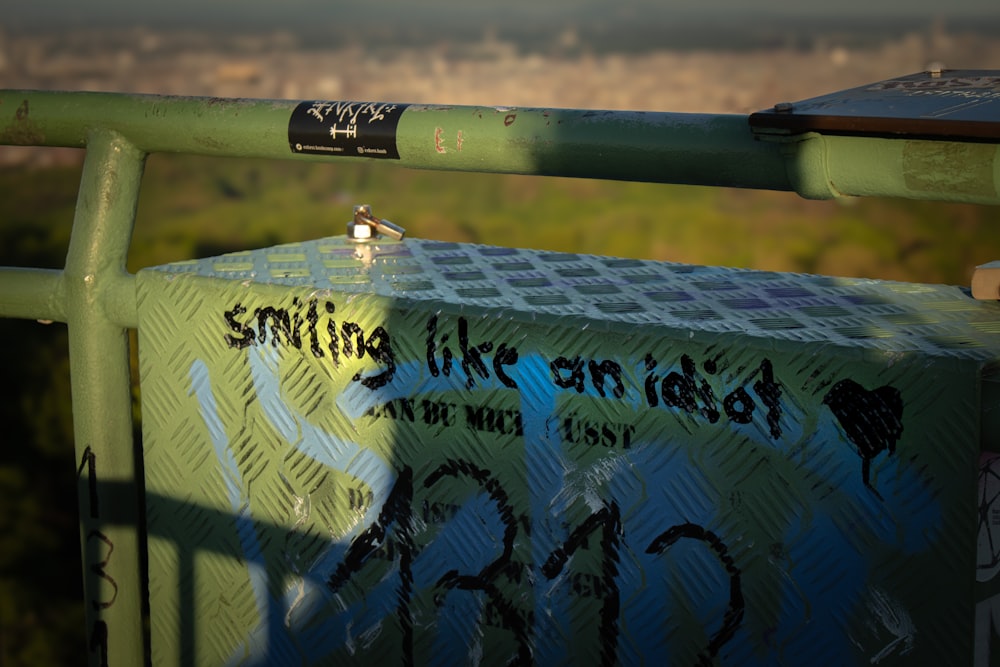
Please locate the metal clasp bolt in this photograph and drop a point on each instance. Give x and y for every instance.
(366, 226)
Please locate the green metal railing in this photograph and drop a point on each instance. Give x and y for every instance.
(96, 297)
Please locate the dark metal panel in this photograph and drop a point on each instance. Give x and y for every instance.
(947, 104)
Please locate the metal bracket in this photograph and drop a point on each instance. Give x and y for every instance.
(365, 226)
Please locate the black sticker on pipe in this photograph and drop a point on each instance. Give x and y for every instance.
(358, 129)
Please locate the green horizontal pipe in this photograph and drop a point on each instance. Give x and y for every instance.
(914, 168)
(32, 294)
(828, 166)
(700, 149)
(656, 147)
(118, 299)
(39, 294)
(691, 149)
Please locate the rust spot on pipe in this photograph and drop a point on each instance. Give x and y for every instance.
(22, 131)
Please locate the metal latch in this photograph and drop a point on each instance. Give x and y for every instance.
(365, 226)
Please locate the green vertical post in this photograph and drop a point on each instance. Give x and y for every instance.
(109, 495)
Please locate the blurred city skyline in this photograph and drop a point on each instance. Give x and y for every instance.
(319, 14)
(236, 10)
(564, 26)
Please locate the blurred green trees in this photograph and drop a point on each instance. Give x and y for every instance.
(41, 610)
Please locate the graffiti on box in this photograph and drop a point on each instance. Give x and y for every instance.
(871, 420)
(586, 524)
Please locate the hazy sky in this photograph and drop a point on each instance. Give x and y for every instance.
(291, 12)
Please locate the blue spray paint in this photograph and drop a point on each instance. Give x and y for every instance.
(656, 485)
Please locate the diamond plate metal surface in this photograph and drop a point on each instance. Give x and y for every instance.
(432, 453)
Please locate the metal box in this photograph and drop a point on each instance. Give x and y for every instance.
(419, 452)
